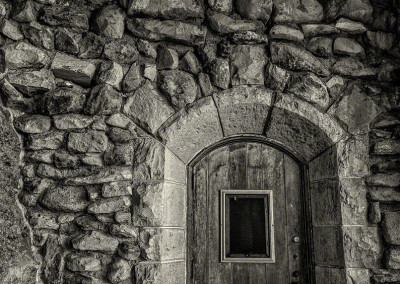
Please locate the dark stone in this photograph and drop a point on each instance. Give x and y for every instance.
(103, 100)
(102, 176)
(146, 48)
(61, 100)
(95, 241)
(67, 41)
(276, 77)
(65, 199)
(320, 46)
(133, 79)
(110, 73)
(129, 251)
(119, 155)
(65, 160)
(353, 67)
(53, 260)
(391, 227)
(38, 35)
(109, 205)
(91, 46)
(255, 9)
(23, 11)
(167, 58)
(89, 223)
(90, 141)
(220, 73)
(122, 51)
(120, 270)
(65, 16)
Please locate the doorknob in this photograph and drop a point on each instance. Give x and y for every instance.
(296, 239)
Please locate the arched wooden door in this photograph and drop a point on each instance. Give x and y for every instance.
(245, 166)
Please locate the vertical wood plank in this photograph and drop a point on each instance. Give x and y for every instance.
(218, 179)
(273, 179)
(294, 218)
(200, 221)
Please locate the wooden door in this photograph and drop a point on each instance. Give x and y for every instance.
(251, 166)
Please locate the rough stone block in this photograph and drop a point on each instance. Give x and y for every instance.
(65, 16)
(348, 46)
(384, 194)
(71, 121)
(110, 73)
(77, 262)
(149, 159)
(220, 73)
(32, 82)
(255, 9)
(311, 30)
(124, 231)
(353, 200)
(393, 258)
(224, 24)
(23, 55)
(167, 9)
(391, 227)
(353, 156)
(384, 180)
(157, 272)
(90, 141)
(95, 241)
(103, 100)
(65, 199)
(298, 11)
(110, 205)
(52, 140)
(61, 100)
(117, 188)
(320, 46)
(120, 270)
(286, 33)
(32, 123)
(102, 176)
(357, 275)
(122, 51)
(110, 22)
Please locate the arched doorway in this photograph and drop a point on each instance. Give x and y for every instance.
(248, 215)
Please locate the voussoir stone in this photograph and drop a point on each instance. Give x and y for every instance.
(32, 123)
(224, 24)
(52, 140)
(255, 9)
(391, 227)
(71, 121)
(76, 262)
(65, 199)
(75, 70)
(167, 9)
(110, 22)
(120, 270)
(90, 141)
(348, 46)
(110, 73)
(121, 50)
(95, 241)
(23, 55)
(110, 205)
(65, 16)
(158, 30)
(32, 82)
(298, 11)
(103, 99)
(180, 86)
(287, 33)
(350, 26)
(295, 57)
(61, 100)
(148, 107)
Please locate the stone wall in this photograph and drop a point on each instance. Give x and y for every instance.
(92, 88)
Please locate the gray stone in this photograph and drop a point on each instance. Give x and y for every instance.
(248, 65)
(205, 84)
(102, 176)
(336, 86)
(119, 120)
(110, 22)
(90, 141)
(150, 71)
(75, 70)
(286, 32)
(353, 67)
(255, 9)
(384, 179)
(91, 46)
(117, 188)
(374, 213)
(76, 262)
(385, 276)
(43, 220)
(149, 160)
(386, 147)
(53, 264)
(353, 201)
(223, 24)
(110, 73)
(92, 159)
(65, 160)
(52, 140)
(220, 73)
(71, 121)
(391, 227)
(65, 199)
(122, 51)
(103, 100)
(311, 30)
(384, 20)
(23, 11)
(348, 46)
(166, 9)
(249, 37)
(38, 35)
(276, 78)
(48, 171)
(296, 58)
(380, 39)
(148, 107)
(89, 223)
(67, 41)
(124, 231)
(65, 16)
(393, 258)
(123, 217)
(13, 99)
(167, 58)
(120, 270)
(119, 155)
(190, 63)
(179, 86)
(129, 251)
(133, 79)
(222, 6)
(146, 48)
(156, 272)
(44, 156)
(309, 87)
(61, 101)
(298, 11)
(23, 55)
(109, 205)
(358, 10)
(10, 30)
(32, 123)
(320, 46)
(350, 26)
(167, 30)
(32, 82)
(95, 241)
(120, 136)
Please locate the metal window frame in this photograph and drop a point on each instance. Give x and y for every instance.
(269, 226)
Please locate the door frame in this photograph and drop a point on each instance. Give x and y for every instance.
(305, 194)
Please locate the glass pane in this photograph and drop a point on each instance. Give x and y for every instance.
(247, 225)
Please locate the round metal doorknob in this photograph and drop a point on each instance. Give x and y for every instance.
(296, 239)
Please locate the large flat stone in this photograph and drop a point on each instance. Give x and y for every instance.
(89, 141)
(224, 24)
(32, 82)
(148, 107)
(65, 199)
(72, 69)
(167, 9)
(102, 176)
(192, 130)
(110, 205)
(353, 67)
(52, 140)
(95, 241)
(23, 55)
(298, 11)
(157, 30)
(77, 262)
(32, 123)
(71, 121)
(255, 9)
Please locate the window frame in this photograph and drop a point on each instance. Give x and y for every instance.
(269, 225)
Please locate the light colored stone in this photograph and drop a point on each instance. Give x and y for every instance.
(149, 160)
(167, 30)
(353, 197)
(350, 26)
(320, 46)
(65, 199)
(32, 123)
(358, 10)
(157, 272)
(146, 48)
(76, 262)
(393, 259)
(276, 77)
(166, 9)
(43, 220)
(133, 79)
(110, 22)
(205, 84)
(348, 46)
(124, 231)
(249, 37)
(32, 82)
(24, 55)
(10, 30)
(110, 73)
(150, 71)
(119, 188)
(220, 73)
(224, 24)
(311, 30)
(52, 140)
(386, 147)
(89, 141)
(75, 70)
(102, 176)
(353, 156)
(286, 32)
(298, 11)
(358, 275)
(103, 100)
(148, 107)
(95, 241)
(120, 270)
(336, 85)
(71, 121)
(109, 205)
(384, 194)
(255, 9)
